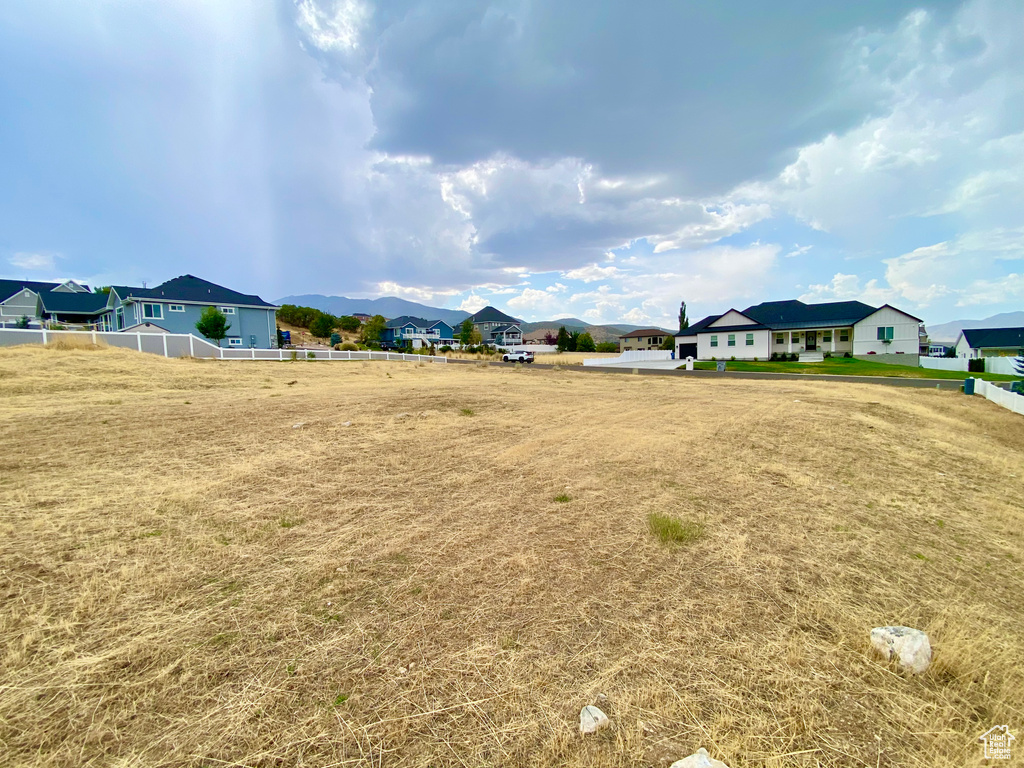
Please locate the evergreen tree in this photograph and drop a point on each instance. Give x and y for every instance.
(684, 322)
(574, 341)
(322, 326)
(349, 323)
(562, 342)
(466, 332)
(585, 343)
(213, 324)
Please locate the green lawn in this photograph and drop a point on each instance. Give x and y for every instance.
(847, 366)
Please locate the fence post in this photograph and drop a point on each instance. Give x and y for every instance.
(138, 339)
(44, 335)
(165, 345)
(94, 337)
(253, 353)
(191, 345)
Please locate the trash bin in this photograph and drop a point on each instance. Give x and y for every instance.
(969, 386)
(721, 366)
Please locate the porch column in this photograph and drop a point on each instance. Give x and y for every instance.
(789, 348)
(835, 332)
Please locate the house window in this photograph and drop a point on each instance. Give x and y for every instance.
(780, 338)
(228, 311)
(153, 311)
(750, 339)
(176, 307)
(235, 341)
(844, 335)
(714, 341)
(826, 336)
(732, 339)
(885, 333)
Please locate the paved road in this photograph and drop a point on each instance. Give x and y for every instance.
(889, 381)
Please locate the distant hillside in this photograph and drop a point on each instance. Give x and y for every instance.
(389, 306)
(598, 332)
(950, 331)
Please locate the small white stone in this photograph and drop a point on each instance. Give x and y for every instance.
(347, 424)
(402, 670)
(602, 697)
(699, 759)
(593, 720)
(910, 645)
(299, 425)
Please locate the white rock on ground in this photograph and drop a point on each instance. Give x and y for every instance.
(592, 720)
(910, 645)
(699, 759)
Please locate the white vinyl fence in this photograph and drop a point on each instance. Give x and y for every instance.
(1003, 365)
(187, 345)
(632, 356)
(1003, 397)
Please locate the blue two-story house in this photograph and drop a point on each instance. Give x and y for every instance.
(175, 307)
(417, 332)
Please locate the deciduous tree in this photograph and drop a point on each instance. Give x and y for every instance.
(373, 329)
(585, 343)
(213, 324)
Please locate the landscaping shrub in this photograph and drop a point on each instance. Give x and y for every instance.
(847, 355)
(335, 339)
(348, 346)
(826, 355)
(672, 530)
(445, 349)
(976, 366)
(795, 357)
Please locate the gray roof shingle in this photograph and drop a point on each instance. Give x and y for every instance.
(1005, 338)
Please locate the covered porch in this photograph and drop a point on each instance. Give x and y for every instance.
(833, 340)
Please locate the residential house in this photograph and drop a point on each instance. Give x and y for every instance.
(417, 332)
(791, 326)
(71, 309)
(989, 342)
(362, 317)
(20, 298)
(176, 306)
(645, 338)
(496, 328)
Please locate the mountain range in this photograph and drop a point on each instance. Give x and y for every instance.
(392, 306)
(949, 331)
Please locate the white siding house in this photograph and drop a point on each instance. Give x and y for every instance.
(887, 331)
(812, 330)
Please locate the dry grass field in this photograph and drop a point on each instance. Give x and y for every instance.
(186, 579)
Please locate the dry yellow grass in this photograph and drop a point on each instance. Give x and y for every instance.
(188, 580)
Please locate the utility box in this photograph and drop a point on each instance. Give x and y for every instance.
(968, 386)
(720, 366)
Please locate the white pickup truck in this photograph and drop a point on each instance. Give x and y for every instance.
(517, 357)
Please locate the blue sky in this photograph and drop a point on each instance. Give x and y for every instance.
(600, 160)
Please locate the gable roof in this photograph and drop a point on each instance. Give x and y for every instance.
(76, 303)
(10, 287)
(994, 337)
(699, 326)
(782, 315)
(398, 322)
(645, 332)
(491, 315)
(194, 290)
(506, 328)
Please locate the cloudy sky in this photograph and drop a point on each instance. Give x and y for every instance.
(602, 160)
